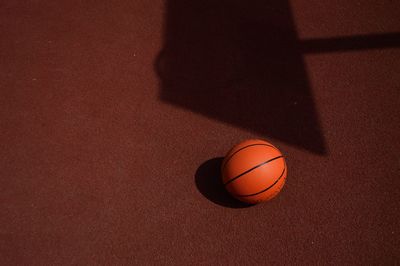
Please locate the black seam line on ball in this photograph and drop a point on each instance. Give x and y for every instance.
(257, 144)
(251, 169)
(262, 191)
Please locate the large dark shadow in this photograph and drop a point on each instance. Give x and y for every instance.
(209, 183)
(239, 62)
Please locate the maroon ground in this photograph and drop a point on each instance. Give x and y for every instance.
(114, 116)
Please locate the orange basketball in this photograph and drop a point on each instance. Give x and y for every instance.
(254, 171)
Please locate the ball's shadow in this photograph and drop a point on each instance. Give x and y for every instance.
(209, 183)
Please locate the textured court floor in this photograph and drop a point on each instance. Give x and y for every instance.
(114, 116)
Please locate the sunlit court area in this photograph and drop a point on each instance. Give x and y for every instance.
(175, 132)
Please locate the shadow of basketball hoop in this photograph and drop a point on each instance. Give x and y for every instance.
(242, 63)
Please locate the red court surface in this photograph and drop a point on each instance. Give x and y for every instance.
(115, 116)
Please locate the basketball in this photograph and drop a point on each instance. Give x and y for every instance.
(254, 171)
